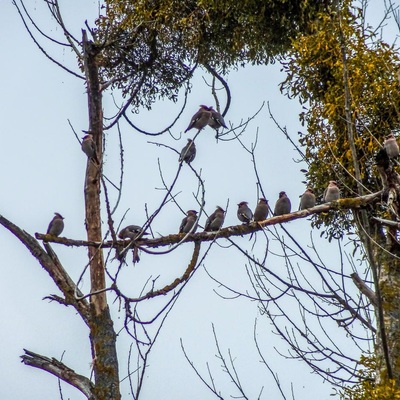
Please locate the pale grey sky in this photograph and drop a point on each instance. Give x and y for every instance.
(42, 171)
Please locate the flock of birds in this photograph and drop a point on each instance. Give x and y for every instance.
(208, 116)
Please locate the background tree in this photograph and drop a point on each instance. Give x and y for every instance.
(99, 305)
(347, 78)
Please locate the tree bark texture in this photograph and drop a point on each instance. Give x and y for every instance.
(102, 334)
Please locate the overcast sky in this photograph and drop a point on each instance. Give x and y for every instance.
(42, 171)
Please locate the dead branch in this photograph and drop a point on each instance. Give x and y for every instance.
(59, 370)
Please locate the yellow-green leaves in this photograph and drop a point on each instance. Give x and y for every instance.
(315, 68)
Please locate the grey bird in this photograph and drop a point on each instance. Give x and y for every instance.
(261, 211)
(56, 225)
(391, 146)
(244, 213)
(215, 220)
(131, 232)
(331, 193)
(188, 222)
(217, 120)
(188, 153)
(88, 146)
(200, 119)
(307, 199)
(282, 205)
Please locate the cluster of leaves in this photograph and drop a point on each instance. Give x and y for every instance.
(315, 74)
(368, 389)
(156, 44)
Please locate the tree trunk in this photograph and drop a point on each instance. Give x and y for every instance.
(102, 334)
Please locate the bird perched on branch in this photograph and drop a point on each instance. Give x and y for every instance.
(131, 232)
(56, 225)
(331, 193)
(244, 213)
(188, 153)
(188, 222)
(282, 205)
(215, 220)
(391, 146)
(261, 211)
(88, 146)
(307, 199)
(201, 118)
(217, 120)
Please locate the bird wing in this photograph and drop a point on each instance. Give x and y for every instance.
(195, 118)
(218, 118)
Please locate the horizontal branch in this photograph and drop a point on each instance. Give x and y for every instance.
(236, 230)
(388, 222)
(59, 370)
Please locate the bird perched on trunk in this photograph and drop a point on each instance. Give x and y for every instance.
(131, 232)
(89, 147)
(282, 205)
(200, 119)
(261, 211)
(307, 199)
(244, 213)
(56, 225)
(217, 120)
(391, 146)
(331, 193)
(188, 222)
(215, 220)
(188, 153)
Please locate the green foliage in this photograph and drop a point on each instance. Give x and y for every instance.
(156, 44)
(315, 74)
(367, 389)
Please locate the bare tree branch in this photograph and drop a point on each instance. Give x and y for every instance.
(60, 370)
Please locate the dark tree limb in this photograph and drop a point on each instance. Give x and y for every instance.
(59, 370)
(53, 267)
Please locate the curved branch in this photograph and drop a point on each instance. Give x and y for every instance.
(59, 370)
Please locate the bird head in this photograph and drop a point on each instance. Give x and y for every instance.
(58, 215)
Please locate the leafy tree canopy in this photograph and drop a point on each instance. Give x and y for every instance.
(160, 42)
(316, 75)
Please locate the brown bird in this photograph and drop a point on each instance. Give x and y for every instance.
(56, 225)
(282, 205)
(307, 199)
(217, 120)
(89, 147)
(331, 193)
(215, 220)
(188, 153)
(188, 222)
(200, 119)
(391, 146)
(131, 232)
(261, 211)
(244, 213)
